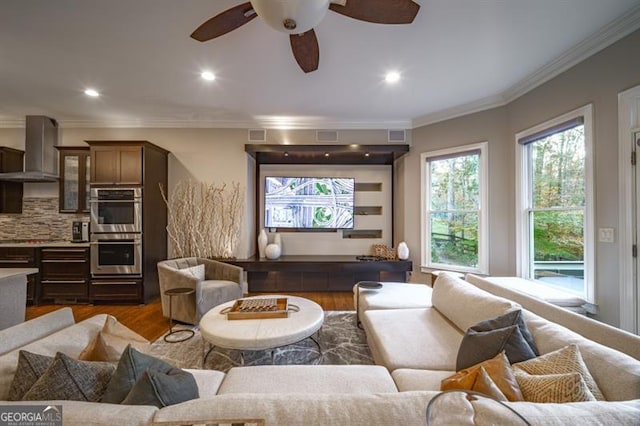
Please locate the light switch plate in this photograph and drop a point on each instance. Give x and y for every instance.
(605, 235)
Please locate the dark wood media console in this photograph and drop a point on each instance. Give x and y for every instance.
(318, 273)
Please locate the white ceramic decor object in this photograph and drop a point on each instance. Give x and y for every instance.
(263, 239)
(272, 251)
(403, 251)
(277, 240)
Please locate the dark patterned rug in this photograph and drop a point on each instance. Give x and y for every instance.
(341, 342)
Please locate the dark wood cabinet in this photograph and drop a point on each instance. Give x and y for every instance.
(22, 257)
(64, 274)
(11, 160)
(116, 164)
(319, 273)
(116, 289)
(75, 175)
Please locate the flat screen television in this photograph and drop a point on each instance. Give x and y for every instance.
(308, 202)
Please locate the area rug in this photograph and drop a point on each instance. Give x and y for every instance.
(341, 342)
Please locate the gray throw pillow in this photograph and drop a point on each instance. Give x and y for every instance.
(514, 317)
(70, 379)
(130, 367)
(30, 367)
(488, 338)
(162, 388)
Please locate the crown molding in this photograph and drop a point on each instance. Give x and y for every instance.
(601, 39)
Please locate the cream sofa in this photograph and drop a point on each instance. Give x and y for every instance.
(414, 347)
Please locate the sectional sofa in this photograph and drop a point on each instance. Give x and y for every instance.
(413, 332)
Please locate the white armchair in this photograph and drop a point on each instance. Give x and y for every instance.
(214, 283)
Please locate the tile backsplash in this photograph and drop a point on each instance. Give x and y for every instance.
(40, 220)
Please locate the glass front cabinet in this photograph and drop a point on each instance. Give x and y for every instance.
(75, 172)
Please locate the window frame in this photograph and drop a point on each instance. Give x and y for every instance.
(524, 242)
(483, 216)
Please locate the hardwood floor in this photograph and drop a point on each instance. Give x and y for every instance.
(147, 320)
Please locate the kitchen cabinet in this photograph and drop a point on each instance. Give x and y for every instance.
(11, 160)
(116, 164)
(64, 274)
(75, 175)
(22, 257)
(122, 289)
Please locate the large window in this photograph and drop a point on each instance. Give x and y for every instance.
(453, 209)
(555, 224)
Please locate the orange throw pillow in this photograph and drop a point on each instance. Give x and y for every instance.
(497, 369)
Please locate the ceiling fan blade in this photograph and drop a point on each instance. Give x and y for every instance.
(306, 50)
(225, 22)
(379, 11)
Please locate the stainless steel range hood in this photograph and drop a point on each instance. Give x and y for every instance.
(40, 157)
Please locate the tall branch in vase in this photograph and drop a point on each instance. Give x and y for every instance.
(204, 219)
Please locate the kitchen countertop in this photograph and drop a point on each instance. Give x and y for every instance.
(28, 243)
(13, 272)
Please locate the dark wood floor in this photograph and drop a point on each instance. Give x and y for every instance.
(147, 320)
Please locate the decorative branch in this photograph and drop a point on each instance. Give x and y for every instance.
(204, 219)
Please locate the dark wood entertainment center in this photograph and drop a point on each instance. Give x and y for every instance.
(319, 273)
(299, 273)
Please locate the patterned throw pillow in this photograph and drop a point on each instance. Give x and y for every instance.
(563, 361)
(70, 379)
(554, 388)
(111, 341)
(30, 367)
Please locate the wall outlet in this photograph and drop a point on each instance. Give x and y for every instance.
(605, 235)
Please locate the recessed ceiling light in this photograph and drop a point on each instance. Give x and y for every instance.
(392, 77)
(91, 92)
(208, 75)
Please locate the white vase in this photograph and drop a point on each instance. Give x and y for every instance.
(277, 240)
(272, 251)
(263, 239)
(403, 251)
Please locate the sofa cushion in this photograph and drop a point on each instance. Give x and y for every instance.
(464, 304)
(30, 368)
(22, 334)
(111, 341)
(394, 295)
(130, 367)
(70, 341)
(70, 379)
(556, 388)
(208, 381)
(488, 338)
(562, 361)
(301, 379)
(410, 379)
(411, 338)
(498, 368)
(162, 388)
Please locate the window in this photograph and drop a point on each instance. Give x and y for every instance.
(454, 222)
(555, 211)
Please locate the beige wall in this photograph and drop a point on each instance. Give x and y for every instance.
(597, 80)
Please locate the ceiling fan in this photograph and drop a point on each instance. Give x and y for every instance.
(299, 17)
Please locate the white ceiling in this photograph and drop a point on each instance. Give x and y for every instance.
(457, 56)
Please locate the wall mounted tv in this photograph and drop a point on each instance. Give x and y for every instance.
(308, 202)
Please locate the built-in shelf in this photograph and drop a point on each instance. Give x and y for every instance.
(367, 210)
(368, 186)
(362, 233)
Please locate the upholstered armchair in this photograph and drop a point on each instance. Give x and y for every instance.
(214, 283)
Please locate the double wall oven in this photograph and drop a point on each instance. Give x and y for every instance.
(116, 232)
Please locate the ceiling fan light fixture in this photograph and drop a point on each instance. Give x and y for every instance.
(291, 16)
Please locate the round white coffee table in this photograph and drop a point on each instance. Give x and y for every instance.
(261, 334)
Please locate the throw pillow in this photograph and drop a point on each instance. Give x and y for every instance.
(70, 379)
(556, 388)
(498, 368)
(196, 272)
(30, 367)
(130, 367)
(162, 388)
(563, 361)
(514, 317)
(485, 385)
(110, 342)
(487, 338)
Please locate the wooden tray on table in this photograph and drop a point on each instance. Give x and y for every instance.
(259, 308)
